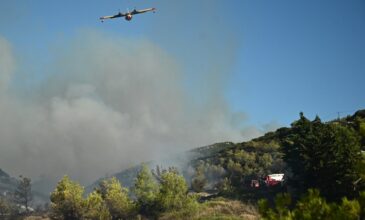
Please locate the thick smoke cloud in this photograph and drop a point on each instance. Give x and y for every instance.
(108, 103)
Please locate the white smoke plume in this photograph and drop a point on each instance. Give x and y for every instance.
(107, 104)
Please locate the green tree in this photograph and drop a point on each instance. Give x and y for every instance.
(199, 180)
(294, 149)
(346, 158)
(323, 156)
(67, 202)
(5, 208)
(173, 193)
(23, 192)
(117, 200)
(280, 211)
(361, 199)
(235, 172)
(347, 210)
(96, 208)
(360, 127)
(312, 206)
(225, 186)
(265, 161)
(146, 191)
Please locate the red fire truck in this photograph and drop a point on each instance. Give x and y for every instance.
(274, 179)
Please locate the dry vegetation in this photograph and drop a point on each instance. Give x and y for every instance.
(218, 208)
(37, 218)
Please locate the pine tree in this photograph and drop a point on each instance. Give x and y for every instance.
(173, 193)
(96, 208)
(117, 200)
(146, 191)
(67, 200)
(323, 156)
(23, 192)
(199, 180)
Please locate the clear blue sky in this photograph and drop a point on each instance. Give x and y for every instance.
(273, 58)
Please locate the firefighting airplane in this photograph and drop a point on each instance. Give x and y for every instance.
(128, 16)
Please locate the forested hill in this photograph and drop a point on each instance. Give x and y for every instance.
(215, 166)
(355, 121)
(322, 163)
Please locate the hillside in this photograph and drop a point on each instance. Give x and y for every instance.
(8, 185)
(219, 177)
(182, 161)
(237, 162)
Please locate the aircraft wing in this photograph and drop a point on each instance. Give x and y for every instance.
(134, 12)
(112, 16)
